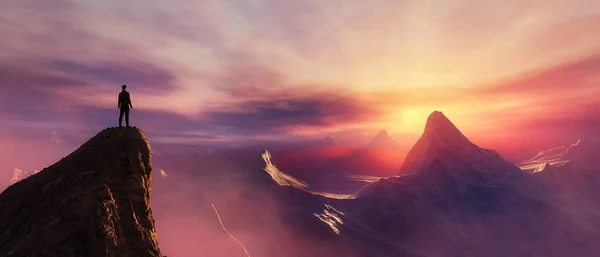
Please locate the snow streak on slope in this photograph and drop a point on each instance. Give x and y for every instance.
(227, 231)
(284, 179)
(279, 177)
(331, 217)
(556, 157)
(363, 178)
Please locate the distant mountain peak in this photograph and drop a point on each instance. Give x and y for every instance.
(443, 145)
(382, 133)
(383, 140)
(329, 141)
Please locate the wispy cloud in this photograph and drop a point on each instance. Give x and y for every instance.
(19, 175)
(574, 77)
(216, 69)
(279, 112)
(56, 139)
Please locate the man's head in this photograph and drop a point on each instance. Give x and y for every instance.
(124, 87)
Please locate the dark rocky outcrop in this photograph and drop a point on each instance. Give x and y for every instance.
(94, 202)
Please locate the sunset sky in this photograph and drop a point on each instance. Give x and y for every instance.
(509, 74)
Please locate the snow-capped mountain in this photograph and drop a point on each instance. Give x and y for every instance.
(444, 148)
(443, 156)
(383, 141)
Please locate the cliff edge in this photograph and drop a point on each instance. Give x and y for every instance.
(94, 202)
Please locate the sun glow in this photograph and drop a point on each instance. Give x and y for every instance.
(413, 118)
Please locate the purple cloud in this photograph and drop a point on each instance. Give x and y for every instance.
(566, 78)
(262, 100)
(32, 89)
(147, 75)
(280, 112)
(560, 104)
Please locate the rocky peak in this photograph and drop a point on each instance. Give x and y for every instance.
(438, 126)
(382, 134)
(383, 141)
(94, 202)
(444, 147)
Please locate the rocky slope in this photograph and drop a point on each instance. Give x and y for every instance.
(94, 202)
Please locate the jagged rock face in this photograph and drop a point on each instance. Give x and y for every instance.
(94, 202)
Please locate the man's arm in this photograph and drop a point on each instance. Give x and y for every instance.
(119, 102)
(129, 98)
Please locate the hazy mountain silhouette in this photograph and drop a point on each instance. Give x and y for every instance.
(383, 141)
(330, 142)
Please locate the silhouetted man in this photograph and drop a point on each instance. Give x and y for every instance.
(124, 104)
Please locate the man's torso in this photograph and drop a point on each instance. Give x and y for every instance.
(124, 100)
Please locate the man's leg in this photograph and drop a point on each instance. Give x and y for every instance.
(127, 117)
(121, 117)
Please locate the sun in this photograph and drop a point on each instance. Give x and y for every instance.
(412, 118)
